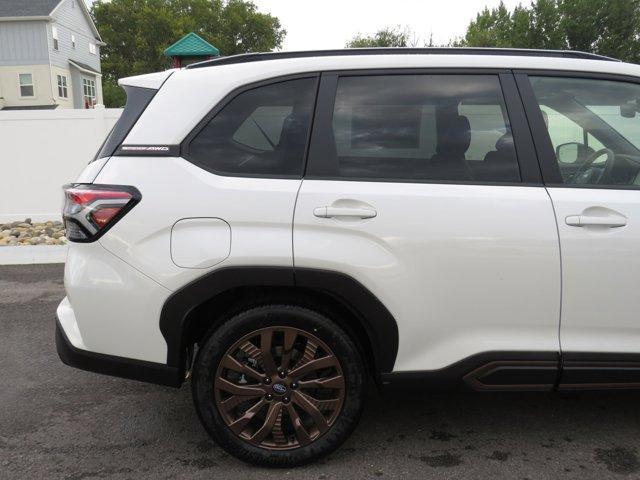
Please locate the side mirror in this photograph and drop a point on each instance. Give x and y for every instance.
(569, 152)
(629, 109)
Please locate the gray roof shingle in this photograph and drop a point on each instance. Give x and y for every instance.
(27, 8)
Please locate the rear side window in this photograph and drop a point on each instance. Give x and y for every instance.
(262, 131)
(422, 127)
(137, 100)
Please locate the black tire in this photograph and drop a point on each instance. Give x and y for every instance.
(207, 369)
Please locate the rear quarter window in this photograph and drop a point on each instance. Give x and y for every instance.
(262, 131)
(138, 99)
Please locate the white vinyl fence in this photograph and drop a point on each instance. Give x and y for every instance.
(41, 150)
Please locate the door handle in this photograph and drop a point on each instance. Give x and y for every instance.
(586, 221)
(330, 212)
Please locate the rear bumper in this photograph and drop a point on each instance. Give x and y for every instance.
(149, 372)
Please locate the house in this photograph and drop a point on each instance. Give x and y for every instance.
(49, 55)
(189, 49)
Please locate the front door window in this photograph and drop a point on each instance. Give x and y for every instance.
(594, 126)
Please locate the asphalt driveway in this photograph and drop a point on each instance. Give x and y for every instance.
(57, 422)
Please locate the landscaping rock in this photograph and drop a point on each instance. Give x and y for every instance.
(28, 232)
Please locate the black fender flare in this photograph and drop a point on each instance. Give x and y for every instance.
(376, 320)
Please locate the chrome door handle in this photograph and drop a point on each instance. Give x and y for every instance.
(330, 212)
(587, 221)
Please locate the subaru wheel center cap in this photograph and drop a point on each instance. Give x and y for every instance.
(279, 388)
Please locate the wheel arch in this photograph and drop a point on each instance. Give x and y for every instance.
(192, 311)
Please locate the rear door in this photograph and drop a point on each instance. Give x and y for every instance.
(587, 130)
(424, 187)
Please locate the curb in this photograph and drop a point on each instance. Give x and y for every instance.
(27, 255)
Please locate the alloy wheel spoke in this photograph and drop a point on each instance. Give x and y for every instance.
(309, 352)
(235, 400)
(268, 363)
(278, 435)
(306, 403)
(269, 422)
(336, 382)
(251, 351)
(241, 423)
(289, 340)
(301, 433)
(232, 364)
(325, 405)
(324, 362)
(241, 390)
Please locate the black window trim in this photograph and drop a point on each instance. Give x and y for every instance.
(524, 145)
(540, 134)
(185, 144)
(141, 97)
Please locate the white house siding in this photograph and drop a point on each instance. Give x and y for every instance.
(23, 49)
(99, 99)
(70, 20)
(76, 80)
(27, 47)
(67, 102)
(10, 86)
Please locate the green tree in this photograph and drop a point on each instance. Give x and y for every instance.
(137, 32)
(491, 28)
(546, 26)
(606, 27)
(387, 37)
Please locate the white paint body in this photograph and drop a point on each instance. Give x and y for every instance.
(258, 211)
(463, 269)
(458, 266)
(601, 271)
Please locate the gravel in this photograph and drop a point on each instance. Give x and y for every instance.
(31, 233)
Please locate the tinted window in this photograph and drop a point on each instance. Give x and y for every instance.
(421, 127)
(262, 131)
(137, 100)
(594, 126)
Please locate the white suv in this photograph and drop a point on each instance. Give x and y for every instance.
(279, 228)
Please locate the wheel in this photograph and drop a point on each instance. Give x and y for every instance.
(279, 385)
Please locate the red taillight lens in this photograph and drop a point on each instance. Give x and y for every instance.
(90, 210)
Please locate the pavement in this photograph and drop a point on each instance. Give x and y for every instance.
(60, 423)
(32, 254)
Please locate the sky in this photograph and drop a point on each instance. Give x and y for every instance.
(319, 24)
(324, 24)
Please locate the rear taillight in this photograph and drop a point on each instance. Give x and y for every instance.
(90, 210)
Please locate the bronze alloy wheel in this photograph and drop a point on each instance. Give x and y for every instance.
(279, 388)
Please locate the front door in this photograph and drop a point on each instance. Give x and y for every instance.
(88, 92)
(590, 153)
(415, 188)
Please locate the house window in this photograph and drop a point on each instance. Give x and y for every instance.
(89, 92)
(73, 41)
(26, 85)
(93, 49)
(54, 32)
(62, 87)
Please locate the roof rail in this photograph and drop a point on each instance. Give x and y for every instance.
(518, 52)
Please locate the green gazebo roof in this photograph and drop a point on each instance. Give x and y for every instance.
(192, 45)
